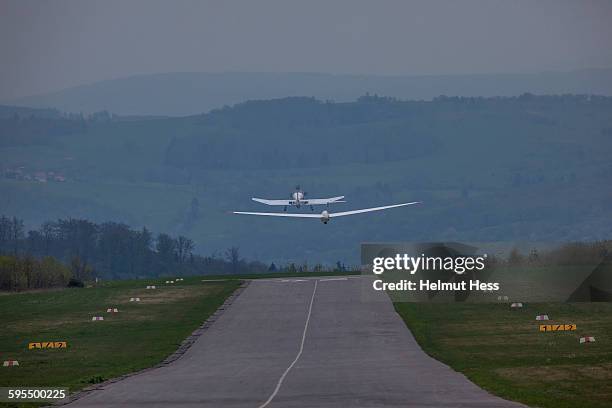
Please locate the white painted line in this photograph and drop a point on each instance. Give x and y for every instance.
(333, 279)
(280, 381)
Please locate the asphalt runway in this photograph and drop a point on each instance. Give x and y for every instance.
(326, 342)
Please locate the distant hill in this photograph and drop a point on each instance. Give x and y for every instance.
(177, 94)
(527, 168)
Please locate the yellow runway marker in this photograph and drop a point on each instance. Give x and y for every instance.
(557, 327)
(47, 345)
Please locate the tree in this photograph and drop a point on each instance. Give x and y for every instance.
(184, 248)
(79, 237)
(5, 233)
(142, 251)
(55, 273)
(233, 257)
(16, 234)
(115, 250)
(166, 253)
(80, 270)
(515, 258)
(534, 256)
(48, 231)
(166, 247)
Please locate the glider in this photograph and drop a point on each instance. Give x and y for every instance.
(325, 216)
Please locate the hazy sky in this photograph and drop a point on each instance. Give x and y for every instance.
(49, 45)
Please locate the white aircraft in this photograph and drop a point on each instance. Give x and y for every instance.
(298, 199)
(325, 216)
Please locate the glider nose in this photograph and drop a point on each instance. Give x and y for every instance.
(325, 217)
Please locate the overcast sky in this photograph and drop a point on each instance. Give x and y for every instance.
(50, 45)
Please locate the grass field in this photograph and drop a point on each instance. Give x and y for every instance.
(281, 275)
(141, 335)
(503, 351)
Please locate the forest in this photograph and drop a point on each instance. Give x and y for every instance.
(73, 251)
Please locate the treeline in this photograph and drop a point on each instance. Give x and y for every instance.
(20, 273)
(28, 126)
(108, 250)
(571, 253)
(299, 132)
(18, 131)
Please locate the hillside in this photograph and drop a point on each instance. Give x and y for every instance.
(521, 168)
(188, 93)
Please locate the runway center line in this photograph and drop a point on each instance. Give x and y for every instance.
(282, 378)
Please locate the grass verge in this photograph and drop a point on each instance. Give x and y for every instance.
(503, 351)
(273, 275)
(141, 335)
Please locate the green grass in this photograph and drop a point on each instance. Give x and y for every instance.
(277, 275)
(139, 336)
(503, 351)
